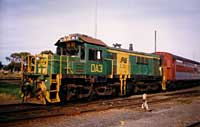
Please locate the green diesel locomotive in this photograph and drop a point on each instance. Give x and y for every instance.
(83, 67)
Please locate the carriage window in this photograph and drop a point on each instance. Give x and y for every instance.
(141, 60)
(138, 60)
(145, 61)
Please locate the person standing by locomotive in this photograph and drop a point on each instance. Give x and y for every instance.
(144, 102)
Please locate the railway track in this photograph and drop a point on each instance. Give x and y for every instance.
(137, 101)
(19, 107)
(18, 112)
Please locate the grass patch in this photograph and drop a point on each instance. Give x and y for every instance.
(10, 89)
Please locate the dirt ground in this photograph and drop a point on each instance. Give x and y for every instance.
(181, 112)
(12, 99)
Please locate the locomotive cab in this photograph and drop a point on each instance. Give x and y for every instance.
(85, 66)
(70, 48)
(81, 49)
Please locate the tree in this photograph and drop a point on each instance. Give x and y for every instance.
(48, 52)
(15, 60)
(1, 65)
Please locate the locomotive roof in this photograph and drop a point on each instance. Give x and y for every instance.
(84, 38)
(81, 38)
(135, 52)
(184, 59)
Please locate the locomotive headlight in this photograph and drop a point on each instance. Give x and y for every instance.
(37, 58)
(73, 38)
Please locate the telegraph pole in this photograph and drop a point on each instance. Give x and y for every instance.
(95, 20)
(155, 40)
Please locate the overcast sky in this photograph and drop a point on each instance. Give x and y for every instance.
(35, 25)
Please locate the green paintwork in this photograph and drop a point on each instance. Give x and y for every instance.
(149, 69)
(74, 65)
(54, 63)
(96, 67)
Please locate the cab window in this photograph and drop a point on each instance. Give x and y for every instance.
(95, 55)
(72, 48)
(99, 55)
(82, 52)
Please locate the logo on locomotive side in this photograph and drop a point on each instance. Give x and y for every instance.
(97, 68)
(123, 60)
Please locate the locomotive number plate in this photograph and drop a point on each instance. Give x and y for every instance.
(97, 68)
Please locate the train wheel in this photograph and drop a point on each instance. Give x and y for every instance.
(129, 88)
(135, 90)
(26, 90)
(93, 95)
(62, 94)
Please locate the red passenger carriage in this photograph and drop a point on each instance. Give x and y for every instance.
(178, 70)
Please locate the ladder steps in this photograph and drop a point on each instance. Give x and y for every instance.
(53, 91)
(53, 81)
(54, 100)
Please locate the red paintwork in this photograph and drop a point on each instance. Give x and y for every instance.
(178, 68)
(182, 68)
(168, 68)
